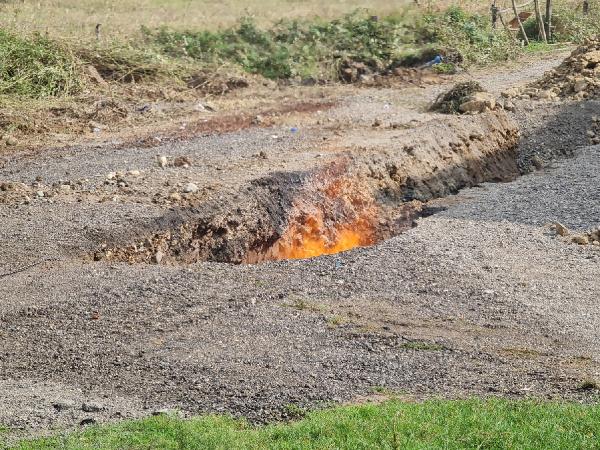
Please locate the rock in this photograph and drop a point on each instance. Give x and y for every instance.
(175, 196)
(509, 106)
(158, 257)
(537, 162)
(96, 127)
(580, 239)
(258, 120)
(11, 141)
(87, 421)
(111, 175)
(62, 406)
(134, 173)
(546, 94)
(262, 154)
(561, 230)
(190, 188)
(580, 85)
(40, 194)
(509, 93)
(65, 187)
(162, 161)
(94, 75)
(182, 161)
(90, 408)
(478, 103)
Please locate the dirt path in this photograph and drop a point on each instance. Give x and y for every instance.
(479, 299)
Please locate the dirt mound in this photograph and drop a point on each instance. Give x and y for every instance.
(578, 76)
(464, 98)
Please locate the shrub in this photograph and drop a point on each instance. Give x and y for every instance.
(36, 67)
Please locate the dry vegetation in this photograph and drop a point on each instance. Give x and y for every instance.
(148, 51)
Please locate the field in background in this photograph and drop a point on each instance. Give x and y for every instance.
(123, 18)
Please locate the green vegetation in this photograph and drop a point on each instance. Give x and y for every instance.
(470, 34)
(497, 424)
(305, 49)
(36, 67)
(39, 67)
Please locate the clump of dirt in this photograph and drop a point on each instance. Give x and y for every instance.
(450, 102)
(578, 76)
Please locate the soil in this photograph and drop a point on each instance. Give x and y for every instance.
(466, 292)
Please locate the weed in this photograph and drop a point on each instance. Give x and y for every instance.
(445, 68)
(307, 305)
(336, 321)
(294, 411)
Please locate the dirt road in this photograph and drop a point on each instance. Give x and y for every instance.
(480, 298)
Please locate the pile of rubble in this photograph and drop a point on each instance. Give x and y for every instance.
(578, 77)
(586, 238)
(464, 98)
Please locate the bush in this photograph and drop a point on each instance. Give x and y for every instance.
(291, 48)
(471, 34)
(36, 67)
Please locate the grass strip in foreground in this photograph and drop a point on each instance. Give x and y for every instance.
(493, 423)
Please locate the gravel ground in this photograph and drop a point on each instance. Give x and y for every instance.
(479, 299)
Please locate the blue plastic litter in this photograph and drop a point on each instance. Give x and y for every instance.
(294, 130)
(435, 61)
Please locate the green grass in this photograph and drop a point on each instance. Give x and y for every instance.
(490, 424)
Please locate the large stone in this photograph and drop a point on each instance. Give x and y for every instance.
(478, 103)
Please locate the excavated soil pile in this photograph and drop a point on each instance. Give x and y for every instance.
(578, 76)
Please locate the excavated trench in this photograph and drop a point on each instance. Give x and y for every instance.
(359, 198)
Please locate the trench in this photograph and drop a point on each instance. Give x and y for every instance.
(358, 199)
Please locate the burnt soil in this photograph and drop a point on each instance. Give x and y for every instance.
(466, 292)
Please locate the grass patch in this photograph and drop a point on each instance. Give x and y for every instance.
(497, 424)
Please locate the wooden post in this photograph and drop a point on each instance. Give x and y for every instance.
(514, 5)
(540, 21)
(549, 19)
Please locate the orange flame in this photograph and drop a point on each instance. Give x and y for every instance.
(313, 238)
